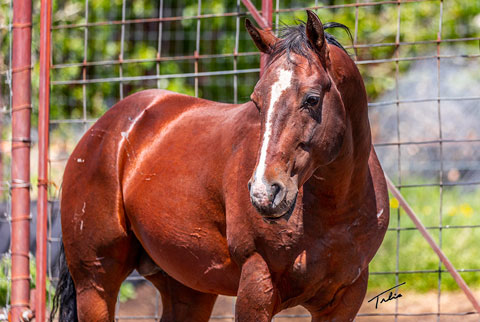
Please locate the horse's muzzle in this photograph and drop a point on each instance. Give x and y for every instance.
(272, 200)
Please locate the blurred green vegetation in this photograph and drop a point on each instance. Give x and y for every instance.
(459, 207)
(376, 24)
(5, 264)
(127, 292)
(4, 282)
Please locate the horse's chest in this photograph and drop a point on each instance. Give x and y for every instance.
(327, 258)
(325, 264)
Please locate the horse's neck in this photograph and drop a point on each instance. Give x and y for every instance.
(341, 185)
(343, 181)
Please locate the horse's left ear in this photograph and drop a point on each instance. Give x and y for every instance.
(316, 35)
(264, 40)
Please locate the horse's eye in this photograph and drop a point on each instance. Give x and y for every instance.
(312, 101)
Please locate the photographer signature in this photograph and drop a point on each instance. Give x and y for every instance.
(391, 295)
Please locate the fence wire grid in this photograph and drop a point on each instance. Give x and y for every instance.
(418, 61)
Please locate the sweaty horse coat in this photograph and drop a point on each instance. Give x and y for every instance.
(280, 201)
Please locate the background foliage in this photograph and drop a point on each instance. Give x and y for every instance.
(418, 22)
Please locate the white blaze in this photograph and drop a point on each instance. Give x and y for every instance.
(278, 88)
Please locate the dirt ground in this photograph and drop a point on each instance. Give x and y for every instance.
(410, 302)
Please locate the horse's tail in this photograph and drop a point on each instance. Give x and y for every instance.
(65, 299)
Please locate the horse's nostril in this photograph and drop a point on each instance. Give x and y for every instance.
(275, 189)
(277, 193)
(249, 186)
(304, 147)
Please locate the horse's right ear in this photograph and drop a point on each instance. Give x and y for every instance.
(264, 40)
(316, 35)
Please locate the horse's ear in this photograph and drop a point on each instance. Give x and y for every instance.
(316, 35)
(264, 40)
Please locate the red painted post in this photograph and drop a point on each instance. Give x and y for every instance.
(43, 132)
(267, 13)
(255, 14)
(21, 109)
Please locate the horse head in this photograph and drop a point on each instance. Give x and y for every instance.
(302, 114)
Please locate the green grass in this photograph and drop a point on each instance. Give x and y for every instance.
(459, 207)
(127, 292)
(4, 283)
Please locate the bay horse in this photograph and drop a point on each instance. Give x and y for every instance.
(280, 201)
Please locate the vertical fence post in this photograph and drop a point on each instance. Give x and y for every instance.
(43, 122)
(267, 14)
(21, 109)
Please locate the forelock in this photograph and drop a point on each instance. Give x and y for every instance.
(293, 39)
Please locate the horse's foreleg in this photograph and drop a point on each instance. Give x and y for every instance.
(257, 296)
(345, 306)
(181, 303)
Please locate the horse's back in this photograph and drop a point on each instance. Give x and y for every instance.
(95, 160)
(102, 151)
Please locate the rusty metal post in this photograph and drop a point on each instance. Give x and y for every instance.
(267, 13)
(43, 133)
(21, 109)
(255, 14)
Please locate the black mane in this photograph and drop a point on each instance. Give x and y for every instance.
(294, 39)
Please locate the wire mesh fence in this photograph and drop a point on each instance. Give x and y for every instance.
(418, 59)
